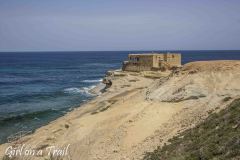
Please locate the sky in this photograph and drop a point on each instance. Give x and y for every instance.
(102, 25)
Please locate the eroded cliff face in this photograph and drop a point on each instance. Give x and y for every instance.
(201, 81)
(137, 114)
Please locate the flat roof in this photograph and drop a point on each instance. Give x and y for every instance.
(150, 54)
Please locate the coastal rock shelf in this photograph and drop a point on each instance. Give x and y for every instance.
(137, 113)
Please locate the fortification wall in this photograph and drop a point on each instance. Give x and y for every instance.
(136, 68)
(173, 59)
(157, 59)
(148, 62)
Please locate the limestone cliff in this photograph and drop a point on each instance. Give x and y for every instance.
(137, 114)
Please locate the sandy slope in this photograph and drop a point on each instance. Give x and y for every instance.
(137, 114)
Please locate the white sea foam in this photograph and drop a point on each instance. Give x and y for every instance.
(92, 81)
(72, 90)
(83, 90)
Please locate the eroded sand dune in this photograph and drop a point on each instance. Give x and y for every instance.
(137, 114)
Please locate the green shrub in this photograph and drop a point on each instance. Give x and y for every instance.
(218, 137)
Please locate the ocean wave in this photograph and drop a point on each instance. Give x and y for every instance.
(32, 115)
(28, 97)
(92, 81)
(19, 80)
(83, 90)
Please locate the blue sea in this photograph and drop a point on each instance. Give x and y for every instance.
(38, 87)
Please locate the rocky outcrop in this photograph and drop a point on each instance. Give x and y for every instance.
(107, 81)
(195, 81)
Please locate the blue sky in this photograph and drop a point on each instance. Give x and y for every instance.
(75, 25)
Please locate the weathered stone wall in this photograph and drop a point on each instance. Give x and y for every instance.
(136, 67)
(173, 59)
(139, 63)
(156, 59)
(145, 60)
(148, 62)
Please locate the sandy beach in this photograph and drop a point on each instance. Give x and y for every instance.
(137, 113)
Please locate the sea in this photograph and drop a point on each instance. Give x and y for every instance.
(38, 87)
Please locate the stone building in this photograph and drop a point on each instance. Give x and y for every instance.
(151, 62)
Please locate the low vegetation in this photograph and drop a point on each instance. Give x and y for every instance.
(217, 138)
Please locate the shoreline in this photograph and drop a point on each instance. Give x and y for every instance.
(85, 107)
(94, 91)
(137, 113)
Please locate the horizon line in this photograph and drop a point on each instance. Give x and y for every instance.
(120, 50)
